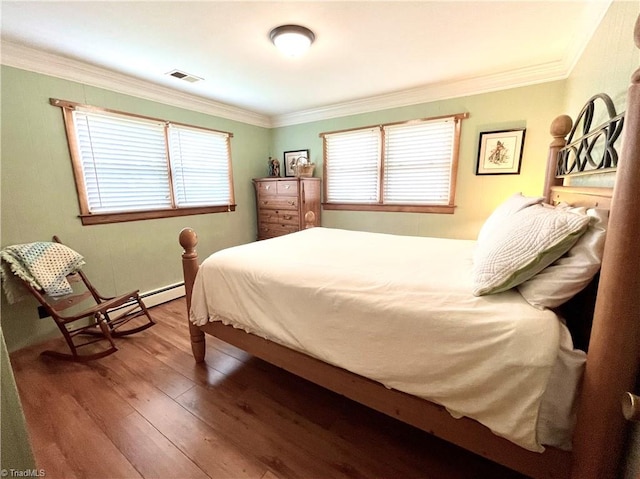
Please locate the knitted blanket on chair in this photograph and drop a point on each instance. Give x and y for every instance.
(43, 265)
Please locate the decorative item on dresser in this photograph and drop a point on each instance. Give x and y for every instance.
(274, 167)
(286, 205)
(291, 159)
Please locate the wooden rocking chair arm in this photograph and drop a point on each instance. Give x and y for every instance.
(132, 295)
(102, 308)
(116, 301)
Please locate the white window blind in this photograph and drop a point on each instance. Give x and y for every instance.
(123, 162)
(418, 160)
(132, 164)
(199, 166)
(408, 164)
(353, 165)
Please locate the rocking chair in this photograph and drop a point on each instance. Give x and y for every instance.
(102, 321)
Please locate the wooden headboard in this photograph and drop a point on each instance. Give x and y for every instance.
(594, 151)
(614, 345)
(588, 196)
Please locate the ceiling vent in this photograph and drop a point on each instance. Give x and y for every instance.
(180, 75)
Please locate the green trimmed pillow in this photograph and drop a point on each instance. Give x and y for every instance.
(570, 274)
(508, 207)
(524, 244)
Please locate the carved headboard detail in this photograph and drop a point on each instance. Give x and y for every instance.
(595, 150)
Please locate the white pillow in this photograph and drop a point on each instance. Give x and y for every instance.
(523, 245)
(570, 274)
(511, 205)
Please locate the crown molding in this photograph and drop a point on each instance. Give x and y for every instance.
(433, 92)
(38, 61)
(545, 72)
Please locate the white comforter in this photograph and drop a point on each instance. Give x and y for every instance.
(396, 309)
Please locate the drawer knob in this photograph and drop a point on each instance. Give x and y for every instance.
(286, 187)
(265, 202)
(291, 202)
(267, 187)
(288, 217)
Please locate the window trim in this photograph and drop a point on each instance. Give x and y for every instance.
(105, 218)
(89, 218)
(405, 208)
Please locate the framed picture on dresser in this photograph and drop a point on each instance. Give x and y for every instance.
(290, 159)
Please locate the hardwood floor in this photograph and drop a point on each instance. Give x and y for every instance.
(150, 411)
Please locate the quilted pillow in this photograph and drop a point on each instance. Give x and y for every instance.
(523, 245)
(511, 205)
(570, 274)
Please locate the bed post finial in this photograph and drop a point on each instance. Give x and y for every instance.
(189, 240)
(560, 128)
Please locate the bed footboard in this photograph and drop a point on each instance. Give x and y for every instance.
(189, 241)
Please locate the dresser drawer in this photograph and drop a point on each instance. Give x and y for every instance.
(278, 203)
(273, 229)
(267, 188)
(287, 187)
(287, 217)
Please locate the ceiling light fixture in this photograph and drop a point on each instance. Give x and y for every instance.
(292, 40)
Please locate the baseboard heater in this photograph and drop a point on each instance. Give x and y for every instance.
(160, 295)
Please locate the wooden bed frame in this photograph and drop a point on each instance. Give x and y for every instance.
(614, 349)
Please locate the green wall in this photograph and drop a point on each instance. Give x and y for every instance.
(15, 452)
(39, 199)
(38, 195)
(530, 107)
(608, 60)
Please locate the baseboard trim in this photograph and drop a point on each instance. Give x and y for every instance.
(163, 295)
(158, 296)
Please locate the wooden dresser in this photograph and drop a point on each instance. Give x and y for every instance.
(286, 205)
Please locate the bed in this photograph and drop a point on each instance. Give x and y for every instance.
(244, 313)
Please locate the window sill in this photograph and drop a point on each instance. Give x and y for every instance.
(105, 218)
(438, 209)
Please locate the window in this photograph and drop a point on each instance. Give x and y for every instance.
(408, 166)
(129, 167)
